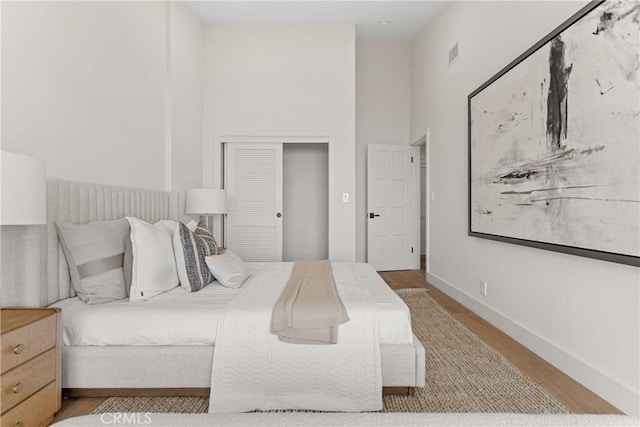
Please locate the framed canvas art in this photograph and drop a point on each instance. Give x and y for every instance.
(554, 140)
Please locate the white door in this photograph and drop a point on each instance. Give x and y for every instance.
(391, 244)
(253, 180)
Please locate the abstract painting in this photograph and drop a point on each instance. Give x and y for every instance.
(554, 140)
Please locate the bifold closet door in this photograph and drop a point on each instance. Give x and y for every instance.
(253, 180)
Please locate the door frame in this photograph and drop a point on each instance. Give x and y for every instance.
(424, 140)
(218, 147)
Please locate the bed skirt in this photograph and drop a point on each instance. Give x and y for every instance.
(115, 367)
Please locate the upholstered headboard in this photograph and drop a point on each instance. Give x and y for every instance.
(74, 202)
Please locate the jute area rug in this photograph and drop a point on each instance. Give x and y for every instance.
(463, 374)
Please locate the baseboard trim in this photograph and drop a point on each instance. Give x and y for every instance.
(604, 386)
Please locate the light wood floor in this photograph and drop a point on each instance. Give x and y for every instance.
(573, 395)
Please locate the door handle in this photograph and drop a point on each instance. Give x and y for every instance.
(372, 215)
(278, 214)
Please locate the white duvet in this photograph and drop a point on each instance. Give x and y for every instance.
(254, 370)
(178, 317)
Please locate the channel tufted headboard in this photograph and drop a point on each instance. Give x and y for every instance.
(75, 202)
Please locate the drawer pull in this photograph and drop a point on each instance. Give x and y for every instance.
(18, 349)
(17, 388)
(19, 424)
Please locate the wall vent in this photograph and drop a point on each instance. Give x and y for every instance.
(453, 54)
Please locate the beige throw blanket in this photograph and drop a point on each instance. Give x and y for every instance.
(309, 309)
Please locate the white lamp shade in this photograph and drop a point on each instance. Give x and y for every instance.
(206, 201)
(23, 199)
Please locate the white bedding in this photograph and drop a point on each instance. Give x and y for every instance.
(162, 319)
(254, 370)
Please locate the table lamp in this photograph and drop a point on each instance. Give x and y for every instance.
(206, 202)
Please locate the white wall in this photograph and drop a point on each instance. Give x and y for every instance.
(105, 92)
(305, 220)
(580, 314)
(83, 89)
(187, 42)
(383, 93)
(284, 80)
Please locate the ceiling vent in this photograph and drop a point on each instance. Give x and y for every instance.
(453, 54)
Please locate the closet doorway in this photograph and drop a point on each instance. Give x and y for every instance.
(278, 200)
(305, 229)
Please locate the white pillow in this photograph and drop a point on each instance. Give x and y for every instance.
(228, 268)
(154, 265)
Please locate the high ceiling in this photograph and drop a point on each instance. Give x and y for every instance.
(405, 18)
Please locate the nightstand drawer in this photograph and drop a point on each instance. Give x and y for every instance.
(35, 411)
(23, 381)
(22, 344)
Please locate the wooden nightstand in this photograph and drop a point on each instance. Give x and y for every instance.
(31, 366)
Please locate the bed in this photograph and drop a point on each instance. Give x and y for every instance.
(104, 356)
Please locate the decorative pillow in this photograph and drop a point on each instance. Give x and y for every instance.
(95, 254)
(128, 259)
(191, 248)
(153, 264)
(228, 268)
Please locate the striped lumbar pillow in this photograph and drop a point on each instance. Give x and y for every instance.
(191, 248)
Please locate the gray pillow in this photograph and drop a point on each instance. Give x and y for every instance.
(128, 265)
(95, 255)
